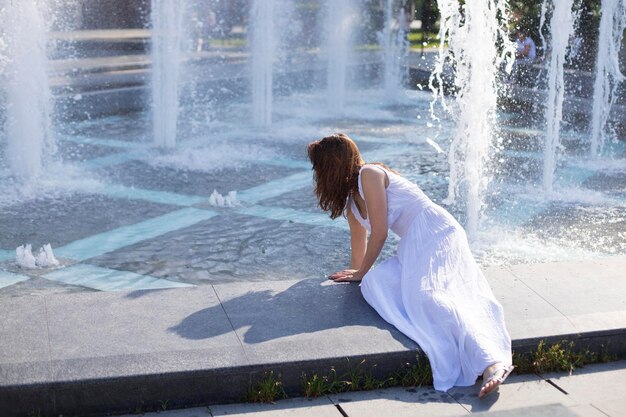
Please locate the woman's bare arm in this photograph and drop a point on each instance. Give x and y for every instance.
(374, 187)
(358, 241)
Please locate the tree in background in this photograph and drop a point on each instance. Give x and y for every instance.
(526, 14)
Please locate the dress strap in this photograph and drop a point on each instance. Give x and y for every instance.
(357, 214)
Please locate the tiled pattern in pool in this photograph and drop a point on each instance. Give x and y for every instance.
(153, 227)
(235, 247)
(40, 286)
(142, 175)
(298, 150)
(83, 151)
(131, 128)
(232, 247)
(60, 221)
(300, 199)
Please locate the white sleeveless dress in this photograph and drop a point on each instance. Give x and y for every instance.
(433, 291)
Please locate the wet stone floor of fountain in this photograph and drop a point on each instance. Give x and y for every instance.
(135, 217)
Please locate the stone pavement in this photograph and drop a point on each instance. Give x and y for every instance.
(95, 353)
(594, 391)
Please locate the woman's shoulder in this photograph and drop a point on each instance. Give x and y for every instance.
(373, 168)
(373, 174)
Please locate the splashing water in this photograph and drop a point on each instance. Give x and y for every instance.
(263, 50)
(3, 58)
(562, 26)
(608, 74)
(29, 110)
(394, 53)
(339, 26)
(167, 33)
(475, 80)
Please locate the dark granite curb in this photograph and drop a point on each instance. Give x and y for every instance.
(179, 389)
(142, 393)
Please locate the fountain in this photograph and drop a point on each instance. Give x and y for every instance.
(167, 37)
(608, 75)
(339, 20)
(562, 26)
(475, 79)
(395, 49)
(263, 45)
(230, 201)
(28, 101)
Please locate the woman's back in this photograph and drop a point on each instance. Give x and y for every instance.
(405, 200)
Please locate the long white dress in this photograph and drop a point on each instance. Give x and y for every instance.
(433, 291)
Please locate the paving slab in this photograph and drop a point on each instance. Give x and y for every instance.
(187, 412)
(119, 351)
(517, 392)
(527, 314)
(613, 408)
(24, 354)
(600, 385)
(586, 410)
(576, 288)
(23, 338)
(552, 410)
(296, 407)
(399, 402)
(304, 327)
(307, 320)
(122, 328)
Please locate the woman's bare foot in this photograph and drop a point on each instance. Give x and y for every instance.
(493, 377)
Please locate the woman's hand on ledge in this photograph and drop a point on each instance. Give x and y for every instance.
(347, 275)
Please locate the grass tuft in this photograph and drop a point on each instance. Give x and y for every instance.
(358, 378)
(415, 375)
(267, 390)
(562, 356)
(316, 385)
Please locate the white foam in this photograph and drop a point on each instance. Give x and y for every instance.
(506, 246)
(24, 257)
(56, 181)
(228, 200)
(45, 257)
(212, 158)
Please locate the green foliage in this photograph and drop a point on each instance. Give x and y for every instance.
(423, 39)
(358, 378)
(415, 375)
(316, 385)
(35, 413)
(266, 390)
(561, 356)
(164, 405)
(605, 356)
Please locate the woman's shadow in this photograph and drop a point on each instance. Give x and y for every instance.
(307, 306)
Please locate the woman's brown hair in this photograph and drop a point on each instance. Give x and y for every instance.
(336, 163)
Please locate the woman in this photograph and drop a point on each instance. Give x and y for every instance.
(432, 291)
